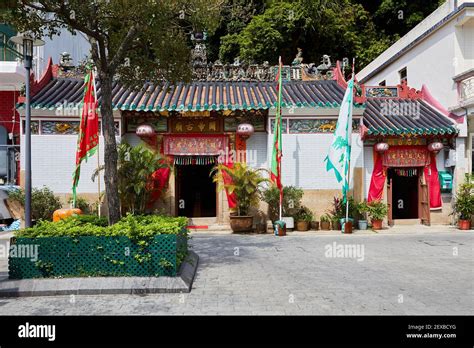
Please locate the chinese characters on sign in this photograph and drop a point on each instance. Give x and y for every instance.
(195, 125)
(406, 156)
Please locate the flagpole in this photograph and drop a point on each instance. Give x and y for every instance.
(281, 137)
(98, 151)
(349, 152)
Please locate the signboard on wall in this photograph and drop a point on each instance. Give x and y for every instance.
(195, 125)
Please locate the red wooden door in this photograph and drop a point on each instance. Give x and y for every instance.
(423, 201)
(389, 202)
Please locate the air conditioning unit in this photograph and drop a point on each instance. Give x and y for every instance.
(451, 160)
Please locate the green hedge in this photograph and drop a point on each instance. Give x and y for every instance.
(132, 226)
(86, 246)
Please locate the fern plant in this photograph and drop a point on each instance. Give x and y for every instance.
(246, 182)
(136, 164)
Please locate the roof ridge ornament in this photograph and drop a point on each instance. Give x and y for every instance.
(241, 70)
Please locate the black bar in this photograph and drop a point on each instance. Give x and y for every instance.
(259, 330)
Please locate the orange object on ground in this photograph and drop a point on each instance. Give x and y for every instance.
(61, 214)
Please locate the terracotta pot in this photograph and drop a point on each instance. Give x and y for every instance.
(347, 226)
(302, 225)
(464, 224)
(377, 224)
(281, 229)
(241, 223)
(315, 225)
(336, 225)
(325, 225)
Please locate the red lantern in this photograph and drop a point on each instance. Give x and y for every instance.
(245, 130)
(381, 147)
(435, 147)
(145, 131)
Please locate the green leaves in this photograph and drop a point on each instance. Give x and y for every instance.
(246, 184)
(135, 167)
(463, 206)
(138, 228)
(43, 202)
(292, 197)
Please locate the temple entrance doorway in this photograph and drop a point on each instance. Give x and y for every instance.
(403, 186)
(196, 194)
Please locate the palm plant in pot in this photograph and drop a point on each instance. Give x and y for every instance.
(246, 183)
(325, 222)
(463, 206)
(304, 216)
(377, 211)
(362, 210)
(338, 212)
(291, 203)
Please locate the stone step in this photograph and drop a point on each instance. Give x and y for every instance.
(224, 228)
(406, 222)
(202, 221)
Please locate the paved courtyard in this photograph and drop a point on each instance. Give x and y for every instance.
(419, 272)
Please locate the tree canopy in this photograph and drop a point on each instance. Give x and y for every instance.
(258, 31)
(133, 41)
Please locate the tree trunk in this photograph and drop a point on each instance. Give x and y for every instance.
(110, 149)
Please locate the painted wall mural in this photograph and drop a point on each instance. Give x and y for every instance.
(302, 126)
(47, 127)
(59, 127)
(381, 92)
(159, 124)
(231, 123)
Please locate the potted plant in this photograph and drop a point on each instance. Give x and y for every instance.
(304, 216)
(377, 211)
(314, 225)
(338, 212)
(325, 221)
(246, 183)
(291, 202)
(336, 223)
(362, 210)
(463, 206)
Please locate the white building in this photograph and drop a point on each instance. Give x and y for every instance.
(437, 53)
(12, 78)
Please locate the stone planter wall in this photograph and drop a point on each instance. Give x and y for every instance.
(95, 256)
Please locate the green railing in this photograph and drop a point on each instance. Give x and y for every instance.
(8, 53)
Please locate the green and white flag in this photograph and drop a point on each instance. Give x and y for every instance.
(340, 150)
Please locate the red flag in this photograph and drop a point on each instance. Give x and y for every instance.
(89, 129)
(275, 171)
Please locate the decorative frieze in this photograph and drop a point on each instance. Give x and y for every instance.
(313, 125)
(59, 127)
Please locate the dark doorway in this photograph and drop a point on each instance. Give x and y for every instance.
(196, 193)
(404, 192)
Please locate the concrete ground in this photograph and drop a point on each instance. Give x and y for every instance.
(403, 270)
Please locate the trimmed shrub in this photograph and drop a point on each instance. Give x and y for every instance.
(43, 202)
(132, 226)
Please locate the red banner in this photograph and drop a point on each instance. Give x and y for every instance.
(406, 156)
(377, 181)
(434, 187)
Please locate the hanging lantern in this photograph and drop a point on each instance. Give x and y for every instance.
(381, 147)
(435, 147)
(145, 131)
(245, 130)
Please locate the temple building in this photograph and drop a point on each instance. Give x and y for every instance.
(398, 144)
(437, 53)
